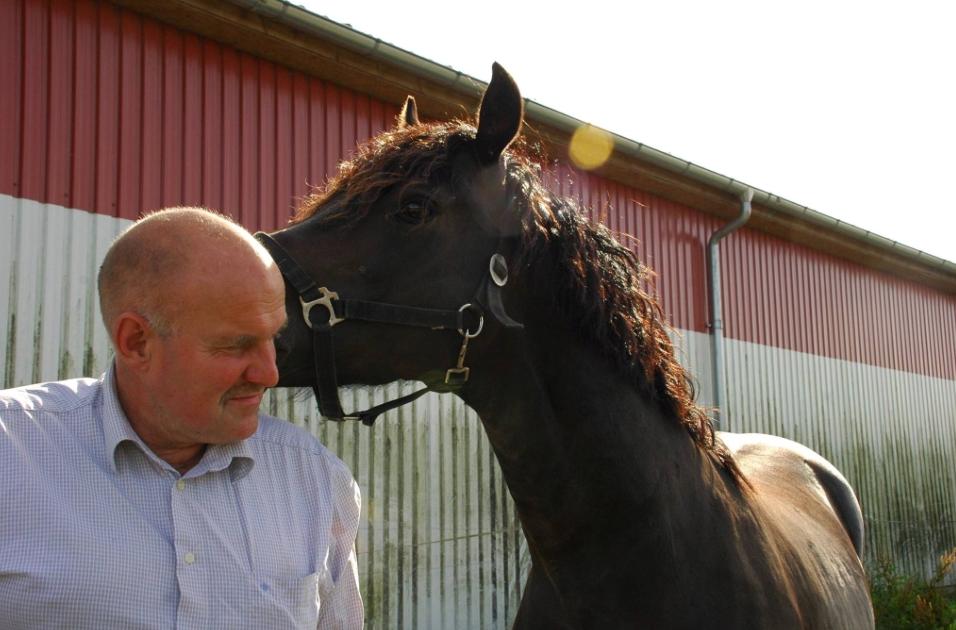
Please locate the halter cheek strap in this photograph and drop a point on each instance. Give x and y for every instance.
(322, 309)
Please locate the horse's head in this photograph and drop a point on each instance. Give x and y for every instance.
(413, 219)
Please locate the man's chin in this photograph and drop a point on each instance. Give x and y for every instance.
(245, 427)
(253, 427)
(242, 421)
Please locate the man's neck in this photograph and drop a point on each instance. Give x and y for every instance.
(141, 418)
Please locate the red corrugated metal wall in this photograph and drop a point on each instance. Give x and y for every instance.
(107, 112)
(777, 293)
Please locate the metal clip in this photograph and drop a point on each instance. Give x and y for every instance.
(458, 375)
(326, 301)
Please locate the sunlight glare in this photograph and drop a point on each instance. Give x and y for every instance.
(590, 147)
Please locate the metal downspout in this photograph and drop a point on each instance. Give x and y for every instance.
(717, 325)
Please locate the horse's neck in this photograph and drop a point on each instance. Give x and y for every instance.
(592, 464)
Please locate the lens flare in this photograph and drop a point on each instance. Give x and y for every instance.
(590, 147)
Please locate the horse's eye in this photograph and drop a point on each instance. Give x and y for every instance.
(413, 212)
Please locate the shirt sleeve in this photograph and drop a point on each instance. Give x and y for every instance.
(343, 608)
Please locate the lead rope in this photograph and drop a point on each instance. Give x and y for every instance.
(455, 377)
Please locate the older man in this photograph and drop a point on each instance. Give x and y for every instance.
(158, 496)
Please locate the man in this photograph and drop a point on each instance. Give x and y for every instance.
(158, 496)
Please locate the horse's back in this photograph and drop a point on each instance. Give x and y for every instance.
(768, 456)
(815, 510)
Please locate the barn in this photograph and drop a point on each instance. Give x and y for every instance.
(833, 336)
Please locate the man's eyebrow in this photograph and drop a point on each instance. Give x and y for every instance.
(245, 341)
(241, 341)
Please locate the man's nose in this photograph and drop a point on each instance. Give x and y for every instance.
(262, 370)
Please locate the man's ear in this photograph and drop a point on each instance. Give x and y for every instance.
(132, 339)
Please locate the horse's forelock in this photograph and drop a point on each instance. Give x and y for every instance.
(406, 156)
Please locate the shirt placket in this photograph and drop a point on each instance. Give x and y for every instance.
(193, 553)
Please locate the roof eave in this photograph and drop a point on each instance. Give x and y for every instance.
(296, 38)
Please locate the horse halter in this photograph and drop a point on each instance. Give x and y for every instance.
(468, 320)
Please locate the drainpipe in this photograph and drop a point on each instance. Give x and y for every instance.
(717, 325)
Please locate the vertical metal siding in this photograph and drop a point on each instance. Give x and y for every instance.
(440, 545)
(890, 432)
(11, 33)
(112, 114)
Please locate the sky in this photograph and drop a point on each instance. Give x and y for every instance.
(846, 107)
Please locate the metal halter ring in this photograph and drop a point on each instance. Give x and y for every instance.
(481, 322)
(498, 268)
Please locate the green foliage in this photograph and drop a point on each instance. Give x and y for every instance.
(908, 603)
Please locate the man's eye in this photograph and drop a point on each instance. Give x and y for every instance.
(233, 348)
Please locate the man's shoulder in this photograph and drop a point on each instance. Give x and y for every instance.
(302, 451)
(50, 397)
(275, 433)
(47, 422)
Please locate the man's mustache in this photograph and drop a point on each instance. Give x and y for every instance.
(241, 391)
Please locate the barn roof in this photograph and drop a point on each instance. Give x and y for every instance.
(294, 37)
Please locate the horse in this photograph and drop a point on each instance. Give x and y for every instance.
(459, 268)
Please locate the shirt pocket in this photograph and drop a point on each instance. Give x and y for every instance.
(301, 597)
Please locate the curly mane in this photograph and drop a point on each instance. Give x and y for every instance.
(597, 283)
(603, 288)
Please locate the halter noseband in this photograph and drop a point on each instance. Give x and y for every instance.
(468, 320)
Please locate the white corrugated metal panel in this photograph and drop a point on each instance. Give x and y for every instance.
(890, 432)
(439, 545)
(49, 256)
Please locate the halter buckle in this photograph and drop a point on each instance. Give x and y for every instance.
(326, 301)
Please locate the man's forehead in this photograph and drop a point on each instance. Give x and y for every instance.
(235, 267)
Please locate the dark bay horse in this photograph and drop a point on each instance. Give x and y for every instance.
(438, 255)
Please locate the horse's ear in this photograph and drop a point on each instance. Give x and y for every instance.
(408, 117)
(499, 116)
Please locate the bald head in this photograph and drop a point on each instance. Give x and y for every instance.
(170, 258)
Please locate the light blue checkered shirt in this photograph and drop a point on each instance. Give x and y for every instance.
(98, 532)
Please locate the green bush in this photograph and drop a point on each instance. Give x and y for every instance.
(908, 603)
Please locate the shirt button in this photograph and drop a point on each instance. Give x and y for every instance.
(180, 484)
(189, 558)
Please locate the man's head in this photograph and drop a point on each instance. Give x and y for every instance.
(191, 303)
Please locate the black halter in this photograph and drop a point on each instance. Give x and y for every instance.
(468, 320)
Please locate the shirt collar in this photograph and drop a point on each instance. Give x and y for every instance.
(237, 456)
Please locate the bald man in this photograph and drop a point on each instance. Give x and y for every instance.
(158, 496)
